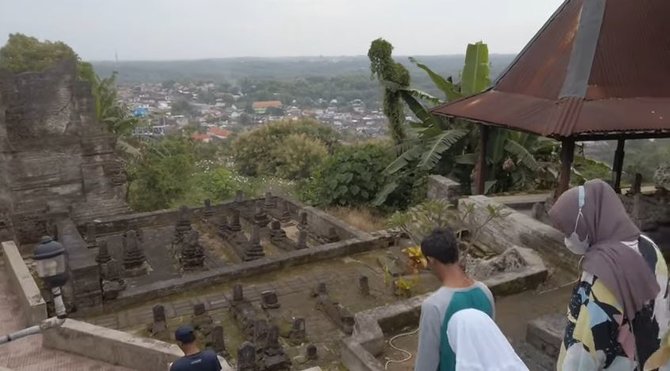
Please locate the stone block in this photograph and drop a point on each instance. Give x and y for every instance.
(111, 346)
(520, 230)
(546, 333)
(442, 188)
(33, 306)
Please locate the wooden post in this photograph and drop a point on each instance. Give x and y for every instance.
(567, 157)
(480, 180)
(617, 166)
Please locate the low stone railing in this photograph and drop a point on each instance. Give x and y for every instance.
(33, 306)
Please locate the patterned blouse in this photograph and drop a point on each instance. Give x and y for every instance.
(599, 337)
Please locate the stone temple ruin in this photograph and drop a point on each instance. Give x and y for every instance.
(268, 283)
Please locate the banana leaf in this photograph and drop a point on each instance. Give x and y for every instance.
(476, 73)
(438, 146)
(448, 88)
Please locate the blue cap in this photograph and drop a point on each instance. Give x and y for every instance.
(184, 334)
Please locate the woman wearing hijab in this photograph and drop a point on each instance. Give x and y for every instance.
(619, 310)
(479, 345)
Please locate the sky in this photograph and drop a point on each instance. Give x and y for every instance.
(197, 29)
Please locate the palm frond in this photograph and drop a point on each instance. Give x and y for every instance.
(448, 88)
(438, 146)
(522, 154)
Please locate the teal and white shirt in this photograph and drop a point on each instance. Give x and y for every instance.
(434, 352)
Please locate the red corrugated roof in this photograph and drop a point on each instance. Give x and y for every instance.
(597, 68)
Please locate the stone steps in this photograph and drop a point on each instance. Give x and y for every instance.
(546, 333)
(534, 358)
(540, 349)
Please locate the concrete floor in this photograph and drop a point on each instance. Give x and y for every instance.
(27, 353)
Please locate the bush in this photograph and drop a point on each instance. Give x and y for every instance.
(298, 156)
(162, 175)
(265, 151)
(352, 176)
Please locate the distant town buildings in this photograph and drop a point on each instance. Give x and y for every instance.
(213, 115)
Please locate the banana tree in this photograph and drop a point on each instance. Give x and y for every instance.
(108, 108)
(449, 146)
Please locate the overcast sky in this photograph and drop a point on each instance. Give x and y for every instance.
(191, 29)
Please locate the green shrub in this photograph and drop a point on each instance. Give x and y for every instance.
(265, 151)
(298, 156)
(352, 176)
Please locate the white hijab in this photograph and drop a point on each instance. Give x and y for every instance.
(479, 345)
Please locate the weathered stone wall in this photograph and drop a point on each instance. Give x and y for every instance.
(53, 152)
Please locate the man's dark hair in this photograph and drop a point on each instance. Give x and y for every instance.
(441, 244)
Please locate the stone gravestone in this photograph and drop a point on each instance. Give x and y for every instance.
(183, 225)
(364, 285)
(274, 358)
(217, 342)
(298, 333)
(302, 221)
(133, 225)
(269, 201)
(254, 249)
(269, 300)
(260, 216)
(239, 196)
(201, 320)
(246, 357)
(332, 235)
(209, 211)
(276, 231)
(302, 239)
(238, 293)
(192, 253)
(133, 257)
(235, 225)
(285, 213)
(312, 353)
(91, 240)
(159, 325)
(103, 252)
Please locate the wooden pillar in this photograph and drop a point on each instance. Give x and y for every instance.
(480, 180)
(567, 157)
(617, 165)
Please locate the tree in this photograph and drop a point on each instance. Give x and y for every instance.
(24, 53)
(268, 149)
(392, 75)
(163, 174)
(109, 110)
(449, 146)
(352, 176)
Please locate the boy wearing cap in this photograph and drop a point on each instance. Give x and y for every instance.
(193, 359)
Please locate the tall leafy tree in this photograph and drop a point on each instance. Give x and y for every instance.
(393, 76)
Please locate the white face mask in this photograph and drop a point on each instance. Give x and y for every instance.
(573, 242)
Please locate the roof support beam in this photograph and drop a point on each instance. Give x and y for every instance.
(617, 165)
(567, 157)
(480, 181)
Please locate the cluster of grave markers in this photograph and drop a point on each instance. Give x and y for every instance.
(112, 272)
(270, 212)
(261, 349)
